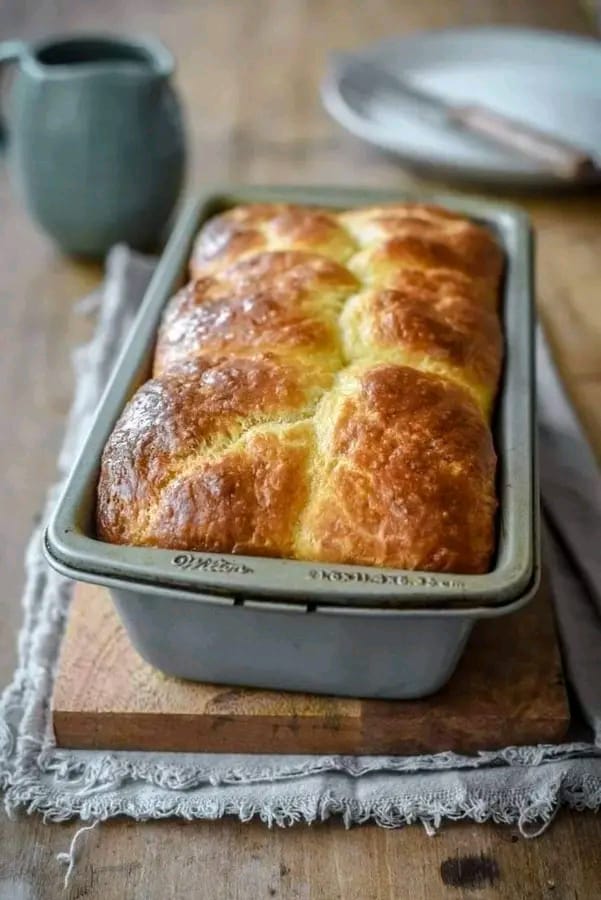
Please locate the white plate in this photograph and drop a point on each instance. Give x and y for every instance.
(547, 79)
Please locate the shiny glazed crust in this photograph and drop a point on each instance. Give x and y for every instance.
(321, 390)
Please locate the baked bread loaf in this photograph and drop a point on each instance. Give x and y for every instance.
(322, 389)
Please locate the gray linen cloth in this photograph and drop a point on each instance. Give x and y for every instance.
(523, 785)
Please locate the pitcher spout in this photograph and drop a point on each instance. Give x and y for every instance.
(163, 60)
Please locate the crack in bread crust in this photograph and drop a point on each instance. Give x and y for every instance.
(322, 389)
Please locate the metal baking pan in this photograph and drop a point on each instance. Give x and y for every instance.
(344, 629)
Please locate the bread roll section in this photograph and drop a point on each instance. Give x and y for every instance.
(322, 390)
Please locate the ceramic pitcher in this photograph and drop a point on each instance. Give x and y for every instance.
(96, 139)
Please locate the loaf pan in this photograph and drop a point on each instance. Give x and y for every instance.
(285, 624)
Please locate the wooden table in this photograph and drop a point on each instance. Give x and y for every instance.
(249, 74)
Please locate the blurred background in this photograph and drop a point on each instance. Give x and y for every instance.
(249, 73)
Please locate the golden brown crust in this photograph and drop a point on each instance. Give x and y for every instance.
(404, 475)
(423, 238)
(286, 302)
(322, 390)
(443, 333)
(245, 230)
(178, 425)
(247, 499)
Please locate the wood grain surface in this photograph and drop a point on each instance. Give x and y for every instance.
(508, 689)
(248, 73)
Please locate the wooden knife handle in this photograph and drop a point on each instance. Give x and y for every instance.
(562, 158)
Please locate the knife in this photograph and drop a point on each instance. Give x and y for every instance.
(368, 79)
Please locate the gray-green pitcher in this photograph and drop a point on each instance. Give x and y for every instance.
(96, 139)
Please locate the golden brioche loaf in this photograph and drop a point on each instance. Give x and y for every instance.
(321, 391)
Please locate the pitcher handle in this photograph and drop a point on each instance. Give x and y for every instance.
(10, 51)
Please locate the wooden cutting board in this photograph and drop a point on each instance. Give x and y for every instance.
(508, 689)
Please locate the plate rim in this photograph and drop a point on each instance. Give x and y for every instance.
(352, 121)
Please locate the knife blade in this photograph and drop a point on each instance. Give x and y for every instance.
(365, 77)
